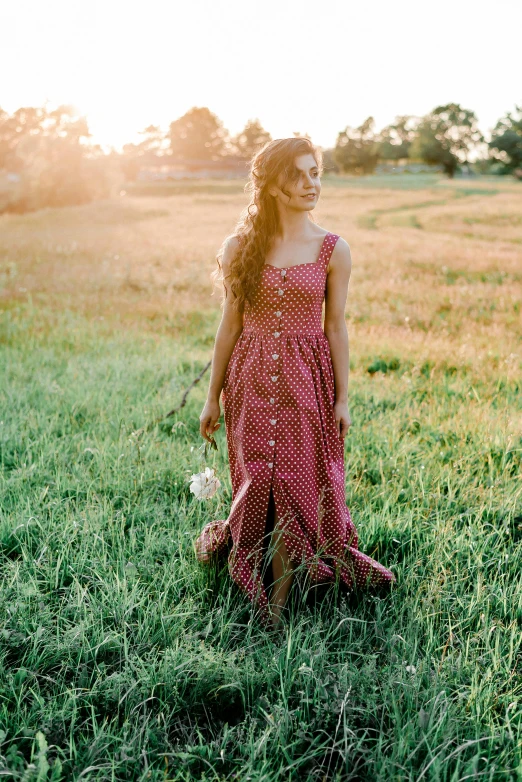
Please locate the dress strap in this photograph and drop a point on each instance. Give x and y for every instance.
(327, 248)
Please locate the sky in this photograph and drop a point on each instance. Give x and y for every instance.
(307, 67)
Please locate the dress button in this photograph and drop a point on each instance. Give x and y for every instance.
(272, 400)
(283, 272)
(273, 421)
(274, 378)
(270, 464)
(275, 356)
(280, 291)
(271, 442)
(276, 334)
(278, 313)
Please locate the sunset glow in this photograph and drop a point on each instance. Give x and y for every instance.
(296, 67)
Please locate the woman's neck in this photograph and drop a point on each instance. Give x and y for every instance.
(293, 226)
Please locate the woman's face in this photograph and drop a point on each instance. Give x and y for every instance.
(304, 185)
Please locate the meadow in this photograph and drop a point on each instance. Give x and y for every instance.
(121, 658)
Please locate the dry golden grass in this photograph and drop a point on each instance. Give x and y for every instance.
(437, 272)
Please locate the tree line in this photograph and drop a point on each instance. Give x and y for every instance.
(448, 136)
(47, 157)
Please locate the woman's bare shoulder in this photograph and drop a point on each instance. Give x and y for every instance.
(341, 246)
(229, 248)
(341, 257)
(232, 242)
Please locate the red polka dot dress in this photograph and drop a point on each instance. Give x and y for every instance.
(278, 398)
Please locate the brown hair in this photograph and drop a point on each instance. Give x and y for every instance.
(259, 221)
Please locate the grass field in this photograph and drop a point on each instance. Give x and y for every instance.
(121, 657)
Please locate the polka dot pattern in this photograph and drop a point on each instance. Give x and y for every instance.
(278, 397)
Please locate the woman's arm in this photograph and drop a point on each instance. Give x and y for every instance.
(228, 332)
(340, 268)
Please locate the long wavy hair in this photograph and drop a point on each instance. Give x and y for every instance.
(259, 221)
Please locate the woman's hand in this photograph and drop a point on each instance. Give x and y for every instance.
(208, 420)
(342, 418)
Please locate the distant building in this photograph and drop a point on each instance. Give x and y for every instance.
(406, 167)
(164, 169)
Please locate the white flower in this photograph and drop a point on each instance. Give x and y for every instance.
(204, 484)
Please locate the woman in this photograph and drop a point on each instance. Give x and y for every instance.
(284, 382)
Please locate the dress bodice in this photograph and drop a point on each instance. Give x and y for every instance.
(289, 300)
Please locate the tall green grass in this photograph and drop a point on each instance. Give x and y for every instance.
(123, 659)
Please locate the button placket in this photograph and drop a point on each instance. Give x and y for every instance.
(279, 312)
(275, 357)
(273, 421)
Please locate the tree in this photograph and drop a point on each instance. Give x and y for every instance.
(397, 138)
(506, 140)
(14, 130)
(198, 134)
(155, 144)
(61, 156)
(329, 164)
(47, 149)
(357, 149)
(155, 141)
(250, 140)
(447, 136)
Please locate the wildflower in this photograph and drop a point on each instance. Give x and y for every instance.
(135, 436)
(204, 484)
